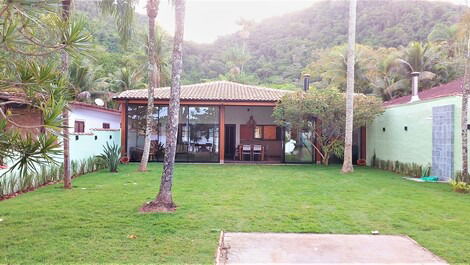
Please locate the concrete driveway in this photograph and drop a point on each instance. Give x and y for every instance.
(293, 248)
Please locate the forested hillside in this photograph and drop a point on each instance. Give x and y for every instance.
(276, 51)
(279, 48)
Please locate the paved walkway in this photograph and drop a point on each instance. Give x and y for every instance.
(293, 248)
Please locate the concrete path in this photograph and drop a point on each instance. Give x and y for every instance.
(292, 248)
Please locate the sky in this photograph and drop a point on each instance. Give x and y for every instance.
(208, 19)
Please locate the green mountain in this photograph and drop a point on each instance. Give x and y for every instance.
(279, 48)
(276, 50)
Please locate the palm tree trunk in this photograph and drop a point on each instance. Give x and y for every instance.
(152, 11)
(66, 5)
(347, 163)
(164, 200)
(464, 113)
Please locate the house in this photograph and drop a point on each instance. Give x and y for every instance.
(91, 126)
(21, 112)
(216, 120)
(85, 117)
(423, 128)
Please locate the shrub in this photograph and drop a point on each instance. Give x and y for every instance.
(460, 186)
(407, 169)
(111, 154)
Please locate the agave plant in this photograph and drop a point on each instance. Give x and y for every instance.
(111, 154)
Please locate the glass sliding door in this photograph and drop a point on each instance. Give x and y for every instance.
(182, 144)
(203, 134)
(136, 124)
(298, 146)
(198, 133)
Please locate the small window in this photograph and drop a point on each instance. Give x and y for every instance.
(406, 128)
(96, 137)
(79, 127)
(76, 138)
(110, 137)
(258, 132)
(105, 125)
(383, 129)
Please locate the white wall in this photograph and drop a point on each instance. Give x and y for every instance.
(241, 115)
(94, 119)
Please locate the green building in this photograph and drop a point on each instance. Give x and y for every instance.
(425, 131)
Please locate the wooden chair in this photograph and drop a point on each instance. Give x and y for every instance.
(246, 150)
(258, 150)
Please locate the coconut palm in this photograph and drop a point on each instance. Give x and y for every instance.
(464, 34)
(347, 162)
(153, 78)
(66, 9)
(417, 57)
(164, 199)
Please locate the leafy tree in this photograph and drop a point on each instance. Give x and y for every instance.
(323, 112)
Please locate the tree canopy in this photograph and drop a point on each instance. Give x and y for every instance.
(323, 112)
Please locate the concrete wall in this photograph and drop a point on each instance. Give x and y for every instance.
(414, 144)
(83, 146)
(94, 119)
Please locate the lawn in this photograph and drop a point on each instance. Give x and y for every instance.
(92, 222)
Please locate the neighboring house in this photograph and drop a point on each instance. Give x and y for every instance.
(21, 112)
(84, 117)
(216, 119)
(426, 131)
(91, 126)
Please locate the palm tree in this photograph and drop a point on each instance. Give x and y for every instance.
(123, 12)
(164, 200)
(66, 6)
(154, 79)
(464, 34)
(347, 163)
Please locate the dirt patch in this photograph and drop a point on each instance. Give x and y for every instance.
(154, 207)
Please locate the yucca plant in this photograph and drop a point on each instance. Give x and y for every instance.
(111, 154)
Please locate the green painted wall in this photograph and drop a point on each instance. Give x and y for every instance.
(415, 144)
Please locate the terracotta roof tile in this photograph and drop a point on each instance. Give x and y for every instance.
(218, 90)
(449, 89)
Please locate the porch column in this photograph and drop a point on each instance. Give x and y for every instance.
(123, 129)
(363, 147)
(221, 134)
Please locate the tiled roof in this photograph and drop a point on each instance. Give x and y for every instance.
(94, 107)
(212, 91)
(450, 89)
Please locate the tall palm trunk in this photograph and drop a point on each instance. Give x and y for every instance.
(464, 113)
(66, 6)
(164, 201)
(347, 163)
(152, 11)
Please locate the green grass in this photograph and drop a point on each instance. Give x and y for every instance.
(91, 223)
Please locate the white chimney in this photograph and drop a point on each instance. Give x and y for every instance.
(414, 86)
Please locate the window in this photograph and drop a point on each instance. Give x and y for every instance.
(79, 127)
(258, 132)
(267, 132)
(105, 125)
